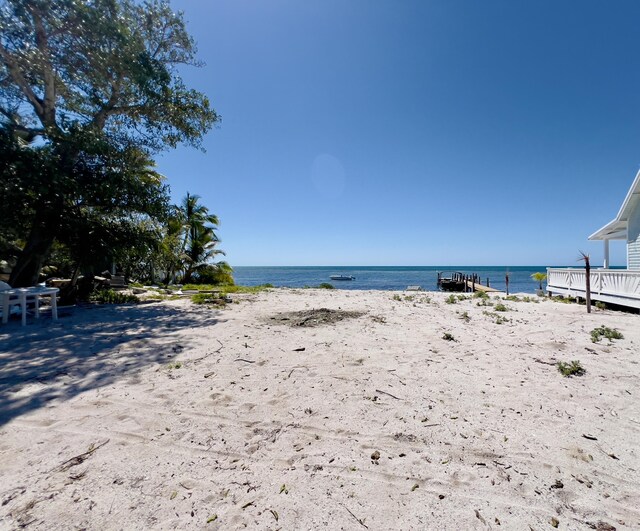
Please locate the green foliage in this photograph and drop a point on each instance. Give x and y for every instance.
(109, 296)
(601, 305)
(480, 295)
(326, 285)
(448, 337)
(501, 307)
(609, 333)
(564, 300)
(571, 369)
(218, 273)
(539, 278)
(499, 319)
(513, 298)
(396, 297)
(465, 317)
(208, 298)
(90, 91)
(451, 299)
(246, 289)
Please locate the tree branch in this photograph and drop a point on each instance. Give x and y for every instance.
(19, 79)
(49, 103)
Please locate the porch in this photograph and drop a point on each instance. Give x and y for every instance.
(614, 286)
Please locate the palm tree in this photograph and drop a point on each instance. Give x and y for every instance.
(587, 279)
(197, 230)
(200, 251)
(539, 278)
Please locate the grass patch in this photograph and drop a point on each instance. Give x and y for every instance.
(448, 337)
(451, 299)
(601, 305)
(609, 333)
(109, 296)
(480, 295)
(465, 317)
(208, 298)
(571, 369)
(326, 285)
(560, 298)
(501, 307)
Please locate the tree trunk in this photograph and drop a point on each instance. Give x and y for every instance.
(31, 260)
(587, 267)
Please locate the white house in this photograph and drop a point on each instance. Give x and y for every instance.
(617, 286)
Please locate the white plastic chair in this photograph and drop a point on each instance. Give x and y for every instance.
(9, 300)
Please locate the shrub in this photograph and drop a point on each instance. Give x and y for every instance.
(610, 333)
(480, 295)
(448, 337)
(465, 317)
(501, 307)
(601, 305)
(560, 298)
(571, 369)
(207, 298)
(109, 296)
(451, 299)
(326, 285)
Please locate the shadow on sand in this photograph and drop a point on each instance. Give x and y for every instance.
(95, 346)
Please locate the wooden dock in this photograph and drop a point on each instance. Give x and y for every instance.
(475, 286)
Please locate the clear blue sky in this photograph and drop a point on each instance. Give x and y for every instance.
(397, 132)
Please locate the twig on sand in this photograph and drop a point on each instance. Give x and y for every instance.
(388, 394)
(242, 359)
(361, 522)
(538, 360)
(398, 377)
(209, 353)
(79, 459)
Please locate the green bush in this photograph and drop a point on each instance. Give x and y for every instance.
(451, 299)
(207, 298)
(448, 337)
(501, 307)
(109, 296)
(571, 369)
(601, 305)
(326, 285)
(610, 333)
(480, 295)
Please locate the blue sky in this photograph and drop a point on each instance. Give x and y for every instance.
(397, 132)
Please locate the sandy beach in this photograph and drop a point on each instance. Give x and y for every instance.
(389, 410)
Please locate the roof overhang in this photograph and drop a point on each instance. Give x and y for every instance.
(617, 229)
(614, 230)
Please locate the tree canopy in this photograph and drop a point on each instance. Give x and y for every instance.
(89, 91)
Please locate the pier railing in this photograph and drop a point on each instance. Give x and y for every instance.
(616, 286)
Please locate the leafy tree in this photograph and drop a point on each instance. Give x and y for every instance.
(86, 83)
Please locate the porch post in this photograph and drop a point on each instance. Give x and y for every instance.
(606, 254)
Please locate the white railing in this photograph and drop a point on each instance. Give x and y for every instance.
(618, 286)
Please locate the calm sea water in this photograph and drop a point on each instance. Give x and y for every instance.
(385, 278)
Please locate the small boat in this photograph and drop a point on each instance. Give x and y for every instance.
(342, 277)
(451, 281)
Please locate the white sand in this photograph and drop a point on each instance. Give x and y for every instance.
(481, 432)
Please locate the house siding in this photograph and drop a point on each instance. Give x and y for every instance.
(633, 239)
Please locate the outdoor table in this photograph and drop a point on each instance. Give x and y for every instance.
(23, 294)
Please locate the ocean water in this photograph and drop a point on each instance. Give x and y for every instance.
(385, 277)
